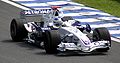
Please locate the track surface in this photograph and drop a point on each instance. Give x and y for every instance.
(20, 52)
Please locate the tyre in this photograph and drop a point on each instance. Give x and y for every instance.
(17, 30)
(39, 39)
(52, 40)
(101, 34)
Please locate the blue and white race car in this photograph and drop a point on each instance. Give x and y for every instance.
(58, 33)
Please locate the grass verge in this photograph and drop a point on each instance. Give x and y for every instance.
(110, 6)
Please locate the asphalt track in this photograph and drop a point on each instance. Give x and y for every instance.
(20, 52)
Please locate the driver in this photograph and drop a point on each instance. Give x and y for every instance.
(57, 22)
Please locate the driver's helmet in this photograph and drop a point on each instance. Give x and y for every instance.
(58, 22)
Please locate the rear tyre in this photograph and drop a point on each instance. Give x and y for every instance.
(17, 30)
(52, 40)
(102, 34)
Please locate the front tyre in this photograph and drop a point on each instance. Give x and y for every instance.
(52, 40)
(100, 34)
(17, 30)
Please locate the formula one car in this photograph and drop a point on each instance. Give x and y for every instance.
(59, 33)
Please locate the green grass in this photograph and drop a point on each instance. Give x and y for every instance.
(110, 6)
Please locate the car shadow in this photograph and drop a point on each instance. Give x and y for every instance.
(69, 54)
(30, 46)
(80, 54)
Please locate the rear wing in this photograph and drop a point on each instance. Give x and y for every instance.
(27, 13)
(33, 15)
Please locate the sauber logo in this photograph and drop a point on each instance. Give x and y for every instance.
(41, 11)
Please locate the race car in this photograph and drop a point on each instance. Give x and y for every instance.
(59, 33)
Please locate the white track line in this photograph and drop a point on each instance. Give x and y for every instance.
(115, 39)
(114, 31)
(23, 0)
(14, 4)
(35, 4)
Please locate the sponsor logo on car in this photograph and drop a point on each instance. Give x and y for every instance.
(41, 11)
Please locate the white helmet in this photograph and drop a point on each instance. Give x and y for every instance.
(58, 22)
